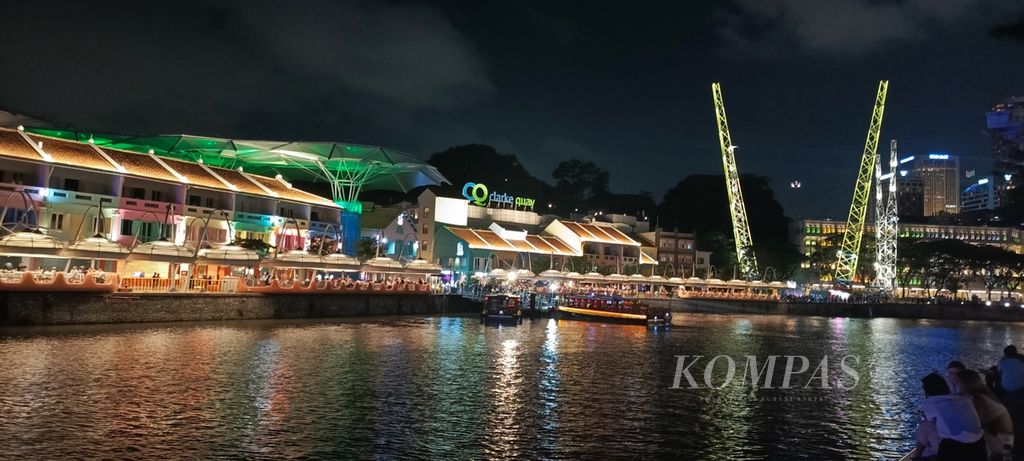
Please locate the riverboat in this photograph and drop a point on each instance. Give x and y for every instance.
(538, 305)
(502, 308)
(610, 308)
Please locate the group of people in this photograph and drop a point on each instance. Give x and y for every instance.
(74, 274)
(77, 273)
(971, 415)
(347, 282)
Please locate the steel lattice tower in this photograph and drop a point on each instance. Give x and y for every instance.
(850, 250)
(886, 225)
(740, 227)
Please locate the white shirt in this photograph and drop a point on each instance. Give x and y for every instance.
(1012, 372)
(954, 416)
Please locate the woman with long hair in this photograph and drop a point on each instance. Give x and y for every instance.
(995, 420)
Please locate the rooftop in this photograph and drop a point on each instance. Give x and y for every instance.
(85, 156)
(483, 239)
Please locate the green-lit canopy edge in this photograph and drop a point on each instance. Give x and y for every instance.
(348, 168)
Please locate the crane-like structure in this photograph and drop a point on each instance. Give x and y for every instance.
(740, 227)
(850, 250)
(886, 225)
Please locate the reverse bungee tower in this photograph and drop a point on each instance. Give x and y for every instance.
(737, 210)
(849, 252)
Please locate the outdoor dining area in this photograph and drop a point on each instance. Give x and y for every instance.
(636, 285)
(33, 261)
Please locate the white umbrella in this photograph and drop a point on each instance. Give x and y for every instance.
(382, 264)
(30, 244)
(525, 274)
(295, 259)
(229, 255)
(162, 251)
(552, 274)
(342, 262)
(422, 266)
(95, 247)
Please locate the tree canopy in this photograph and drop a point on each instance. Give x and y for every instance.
(583, 182)
(484, 164)
(700, 203)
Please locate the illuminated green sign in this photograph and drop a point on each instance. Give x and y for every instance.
(477, 193)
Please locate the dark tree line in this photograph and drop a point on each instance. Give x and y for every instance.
(952, 265)
(578, 186)
(698, 203)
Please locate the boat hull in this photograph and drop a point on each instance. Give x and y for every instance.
(606, 316)
(501, 318)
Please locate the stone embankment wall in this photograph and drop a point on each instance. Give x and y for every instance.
(80, 308)
(75, 308)
(909, 311)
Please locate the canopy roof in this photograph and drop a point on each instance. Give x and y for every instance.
(345, 166)
(29, 244)
(162, 251)
(95, 247)
(233, 255)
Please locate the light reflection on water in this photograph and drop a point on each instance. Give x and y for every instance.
(448, 388)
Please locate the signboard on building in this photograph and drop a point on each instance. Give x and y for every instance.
(451, 211)
(479, 195)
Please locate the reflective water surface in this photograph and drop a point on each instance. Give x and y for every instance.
(451, 388)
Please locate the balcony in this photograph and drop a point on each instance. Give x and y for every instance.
(323, 228)
(37, 193)
(255, 218)
(40, 194)
(137, 204)
(202, 211)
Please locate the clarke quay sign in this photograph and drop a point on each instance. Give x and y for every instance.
(479, 195)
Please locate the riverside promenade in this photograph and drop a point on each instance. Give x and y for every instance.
(28, 308)
(35, 308)
(893, 310)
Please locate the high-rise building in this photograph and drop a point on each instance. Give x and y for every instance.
(939, 175)
(909, 195)
(983, 195)
(1004, 123)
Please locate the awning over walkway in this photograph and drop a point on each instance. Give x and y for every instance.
(482, 239)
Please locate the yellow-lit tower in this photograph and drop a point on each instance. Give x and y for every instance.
(850, 250)
(738, 211)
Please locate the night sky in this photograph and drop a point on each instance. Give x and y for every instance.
(625, 84)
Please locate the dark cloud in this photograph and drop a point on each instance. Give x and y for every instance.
(842, 29)
(219, 65)
(623, 84)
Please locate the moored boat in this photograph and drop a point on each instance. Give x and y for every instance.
(610, 308)
(502, 308)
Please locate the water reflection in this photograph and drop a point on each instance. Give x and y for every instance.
(447, 388)
(549, 388)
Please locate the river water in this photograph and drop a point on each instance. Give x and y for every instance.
(451, 388)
